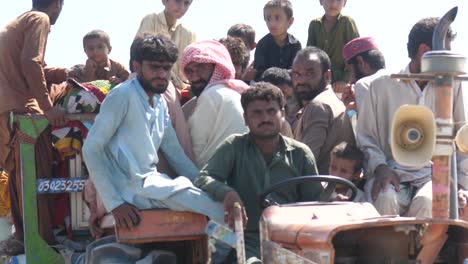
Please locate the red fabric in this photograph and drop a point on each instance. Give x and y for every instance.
(213, 52)
(94, 90)
(358, 45)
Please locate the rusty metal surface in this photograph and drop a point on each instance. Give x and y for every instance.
(313, 228)
(164, 225)
(286, 223)
(275, 253)
(440, 186)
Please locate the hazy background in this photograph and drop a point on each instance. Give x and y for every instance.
(388, 21)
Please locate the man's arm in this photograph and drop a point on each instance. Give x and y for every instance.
(315, 122)
(352, 31)
(311, 40)
(175, 155)
(368, 135)
(200, 130)
(32, 59)
(260, 58)
(460, 117)
(95, 154)
(213, 176)
(55, 75)
(179, 122)
(309, 191)
(368, 141)
(121, 72)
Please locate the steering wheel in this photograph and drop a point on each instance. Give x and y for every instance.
(326, 194)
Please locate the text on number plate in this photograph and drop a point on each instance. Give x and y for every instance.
(60, 185)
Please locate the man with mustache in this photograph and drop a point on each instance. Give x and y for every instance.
(216, 112)
(323, 122)
(132, 125)
(244, 166)
(366, 63)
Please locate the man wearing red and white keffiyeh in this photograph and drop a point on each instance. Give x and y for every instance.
(216, 112)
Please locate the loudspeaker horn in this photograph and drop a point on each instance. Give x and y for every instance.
(413, 135)
(462, 139)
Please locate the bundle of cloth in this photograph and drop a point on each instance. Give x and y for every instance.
(81, 98)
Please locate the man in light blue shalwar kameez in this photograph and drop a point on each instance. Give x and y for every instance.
(121, 148)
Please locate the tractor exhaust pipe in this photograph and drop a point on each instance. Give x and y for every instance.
(440, 32)
(444, 65)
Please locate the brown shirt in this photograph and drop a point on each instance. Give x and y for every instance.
(322, 125)
(113, 69)
(22, 80)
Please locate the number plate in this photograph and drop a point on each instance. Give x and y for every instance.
(60, 185)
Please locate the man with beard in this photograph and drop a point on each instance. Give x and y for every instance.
(121, 148)
(366, 64)
(246, 165)
(322, 123)
(216, 112)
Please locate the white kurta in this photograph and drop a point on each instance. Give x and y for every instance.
(385, 96)
(217, 115)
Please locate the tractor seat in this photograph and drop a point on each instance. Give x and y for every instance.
(160, 225)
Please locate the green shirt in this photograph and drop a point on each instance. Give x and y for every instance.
(239, 165)
(332, 42)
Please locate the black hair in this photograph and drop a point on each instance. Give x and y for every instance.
(283, 4)
(97, 34)
(42, 4)
(243, 31)
(262, 91)
(276, 76)
(349, 151)
(422, 32)
(153, 47)
(373, 57)
(322, 55)
(239, 53)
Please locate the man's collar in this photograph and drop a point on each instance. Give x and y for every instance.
(338, 18)
(328, 87)
(142, 92)
(283, 143)
(290, 39)
(140, 89)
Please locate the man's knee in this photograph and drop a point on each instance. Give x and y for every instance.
(421, 206)
(387, 195)
(387, 202)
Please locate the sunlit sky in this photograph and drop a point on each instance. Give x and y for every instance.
(388, 21)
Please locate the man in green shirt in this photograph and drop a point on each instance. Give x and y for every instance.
(245, 165)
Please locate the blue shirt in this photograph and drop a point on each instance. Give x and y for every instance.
(121, 148)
